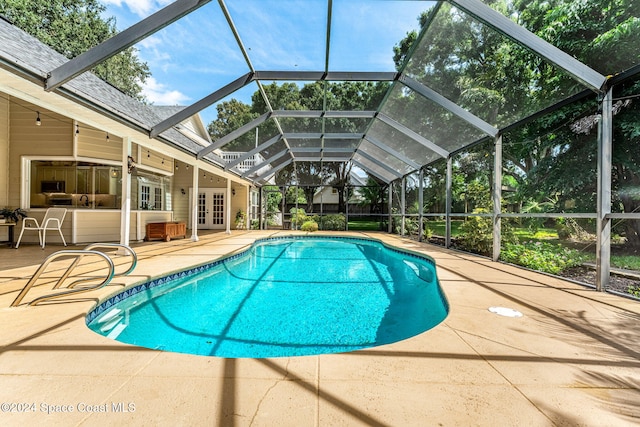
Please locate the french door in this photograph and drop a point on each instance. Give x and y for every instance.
(211, 209)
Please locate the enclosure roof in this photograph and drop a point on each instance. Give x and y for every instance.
(422, 116)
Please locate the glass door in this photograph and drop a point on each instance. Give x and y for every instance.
(211, 209)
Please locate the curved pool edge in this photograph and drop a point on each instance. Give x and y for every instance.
(132, 289)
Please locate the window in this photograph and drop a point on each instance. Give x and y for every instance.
(82, 185)
(254, 211)
(152, 192)
(87, 185)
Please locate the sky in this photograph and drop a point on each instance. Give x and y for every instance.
(198, 54)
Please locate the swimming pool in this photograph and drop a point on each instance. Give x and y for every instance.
(291, 296)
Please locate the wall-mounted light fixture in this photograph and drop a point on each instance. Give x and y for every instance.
(114, 173)
(107, 136)
(77, 129)
(182, 191)
(38, 121)
(233, 191)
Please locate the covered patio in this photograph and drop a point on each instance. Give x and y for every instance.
(572, 359)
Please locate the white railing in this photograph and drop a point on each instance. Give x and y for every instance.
(246, 164)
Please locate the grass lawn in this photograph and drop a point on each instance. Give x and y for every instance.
(546, 235)
(439, 227)
(364, 225)
(627, 262)
(543, 234)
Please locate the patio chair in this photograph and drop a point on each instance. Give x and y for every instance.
(52, 220)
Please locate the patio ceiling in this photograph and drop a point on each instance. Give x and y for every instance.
(417, 122)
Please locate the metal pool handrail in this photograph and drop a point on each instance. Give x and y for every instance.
(43, 266)
(134, 262)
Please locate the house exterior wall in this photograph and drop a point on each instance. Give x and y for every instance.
(327, 196)
(54, 137)
(182, 180)
(152, 159)
(4, 149)
(93, 143)
(100, 226)
(238, 201)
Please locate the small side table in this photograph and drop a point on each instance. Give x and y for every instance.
(10, 226)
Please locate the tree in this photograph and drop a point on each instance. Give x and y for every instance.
(312, 96)
(232, 115)
(71, 27)
(500, 81)
(374, 195)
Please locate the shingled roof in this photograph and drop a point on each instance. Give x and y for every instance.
(25, 53)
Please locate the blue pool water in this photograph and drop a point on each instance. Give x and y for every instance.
(282, 297)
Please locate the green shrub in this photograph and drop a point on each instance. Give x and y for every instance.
(336, 222)
(427, 233)
(411, 226)
(309, 226)
(476, 233)
(298, 216)
(332, 222)
(563, 229)
(541, 256)
(241, 220)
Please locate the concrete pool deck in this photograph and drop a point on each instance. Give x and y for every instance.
(572, 359)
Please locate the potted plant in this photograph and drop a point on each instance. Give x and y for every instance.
(241, 220)
(12, 215)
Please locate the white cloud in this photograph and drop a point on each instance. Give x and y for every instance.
(142, 8)
(159, 94)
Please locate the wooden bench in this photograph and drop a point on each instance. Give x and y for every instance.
(165, 230)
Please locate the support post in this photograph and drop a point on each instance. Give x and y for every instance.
(125, 205)
(390, 207)
(260, 209)
(345, 191)
(403, 202)
(194, 203)
(448, 201)
(228, 209)
(283, 201)
(497, 195)
(420, 205)
(297, 226)
(605, 149)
